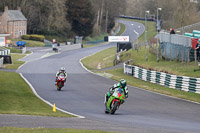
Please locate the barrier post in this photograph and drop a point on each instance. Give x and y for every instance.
(170, 54)
(182, 55)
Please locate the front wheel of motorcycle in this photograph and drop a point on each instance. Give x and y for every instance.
(59, 87)
(114, 108)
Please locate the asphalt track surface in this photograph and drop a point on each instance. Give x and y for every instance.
(83, 94)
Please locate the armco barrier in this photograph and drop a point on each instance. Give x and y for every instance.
(184, 83)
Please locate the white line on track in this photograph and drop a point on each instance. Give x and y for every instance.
(33, 90)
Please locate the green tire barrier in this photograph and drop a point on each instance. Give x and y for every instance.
(184, 83)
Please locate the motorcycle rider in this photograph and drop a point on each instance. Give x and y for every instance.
(121, 84)
(62, 70)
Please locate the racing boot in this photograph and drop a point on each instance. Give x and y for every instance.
(106, 99)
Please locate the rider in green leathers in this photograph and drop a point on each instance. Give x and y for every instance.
(121, 84)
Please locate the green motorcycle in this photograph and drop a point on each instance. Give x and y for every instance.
(115, 100)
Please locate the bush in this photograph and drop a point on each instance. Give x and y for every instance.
(26, 37)
(58, 38)
(33, 37)
(37, 38)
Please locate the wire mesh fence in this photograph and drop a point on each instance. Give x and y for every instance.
(174, 47)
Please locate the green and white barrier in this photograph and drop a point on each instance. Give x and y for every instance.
(184, 83)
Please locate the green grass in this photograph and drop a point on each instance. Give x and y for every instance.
(17, 98)
(118, 74)
(14, 50)
(122, 29)
(30, 43)
(97, 38)
(45, 130)
(15, 63)
(102, 59)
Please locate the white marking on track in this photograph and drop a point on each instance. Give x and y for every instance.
(79, 116)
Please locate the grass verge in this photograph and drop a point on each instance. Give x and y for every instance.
(100, 60)
(29, 43)
(101, 37)
(15, 61)
(17, 98)
(122, 29)
(117, 74)
(45, 130)
(14, 50)
(97, 38)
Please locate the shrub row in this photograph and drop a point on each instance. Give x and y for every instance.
(33, 37)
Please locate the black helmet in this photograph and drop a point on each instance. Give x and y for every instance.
(123, 83)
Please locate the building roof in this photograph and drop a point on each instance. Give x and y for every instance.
(4, 35)
(16, 15)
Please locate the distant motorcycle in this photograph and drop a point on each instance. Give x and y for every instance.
(60, 81)
(115, 101)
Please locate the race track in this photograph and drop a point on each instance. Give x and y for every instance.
(83, 93)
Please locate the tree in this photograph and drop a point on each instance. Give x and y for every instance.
(81, 16)
(43, 16)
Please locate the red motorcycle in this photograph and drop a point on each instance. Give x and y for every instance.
(60, 81)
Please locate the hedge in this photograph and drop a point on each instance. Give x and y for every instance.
(33, 37)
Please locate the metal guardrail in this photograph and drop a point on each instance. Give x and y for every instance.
(188, 27)
(175, 39)
(48, 43)
(137, 18)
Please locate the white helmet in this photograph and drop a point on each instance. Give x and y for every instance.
(62, 69)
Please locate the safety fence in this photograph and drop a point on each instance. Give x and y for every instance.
(1, 61)
(188, 84)
(174, 47)
(4, 51)
(175, 39)
(48, 43)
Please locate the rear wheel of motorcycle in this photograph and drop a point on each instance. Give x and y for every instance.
(114, 107)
